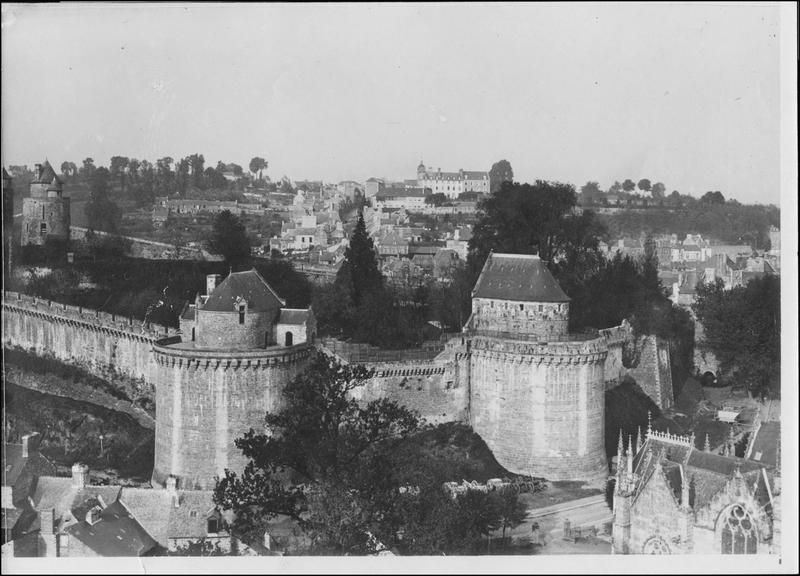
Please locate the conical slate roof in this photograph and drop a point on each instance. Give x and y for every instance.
(520, 277)
(55, 184)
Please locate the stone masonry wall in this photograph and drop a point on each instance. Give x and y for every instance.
(540, 407)
(205, 400)
(93, 340)
(437, 391)
(53, 212)
(544, 320)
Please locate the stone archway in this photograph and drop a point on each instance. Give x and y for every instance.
(656, 545)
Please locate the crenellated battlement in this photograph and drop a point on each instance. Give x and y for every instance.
(190, 358)
(578, 351)
(87, 318)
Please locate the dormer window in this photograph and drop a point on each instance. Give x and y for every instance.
(212, 525)
(241, 313)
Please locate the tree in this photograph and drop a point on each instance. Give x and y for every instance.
(359, 271)
(117, 168)
(436, 199)
(629, 185)
(258, 165)
(715, 197)
(215, 178)
(65, 168)
(742, 328)
(512, 511)
(500, 172)
(101, 212)
(322, 461)
(229, 238)
(590, 193)
(197, 164)
(658, 190)
(525, 219)
(644, 185)
(88, 169)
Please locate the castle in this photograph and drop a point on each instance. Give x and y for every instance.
(533, 391)
(45, 213)
(451, 184)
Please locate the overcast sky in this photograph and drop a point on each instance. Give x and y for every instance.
(686, 95)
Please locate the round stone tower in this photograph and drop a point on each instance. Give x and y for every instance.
(536, 391)
(240, 346)
(45, 213)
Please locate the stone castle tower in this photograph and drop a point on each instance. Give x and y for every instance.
(8, 218)
(45, 213)
(536, 391)
(240, 347)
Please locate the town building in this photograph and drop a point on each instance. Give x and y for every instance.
(452, 184)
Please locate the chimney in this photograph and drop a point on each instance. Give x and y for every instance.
(47, 521)
(80, 472)
(37, 170)
(93, 515)
(212, 281)
(30, 444)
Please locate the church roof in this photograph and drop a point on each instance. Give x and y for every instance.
(521, 277)
(249, 286)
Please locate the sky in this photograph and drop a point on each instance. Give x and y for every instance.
(688, 95)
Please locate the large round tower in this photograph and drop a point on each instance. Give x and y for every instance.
(240, 347)
(45, 213)
(536, 391)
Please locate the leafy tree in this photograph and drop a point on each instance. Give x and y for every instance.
(101, 212)
(258, 165)
(742, 328)
(319, 462)
(715, 197)
(66, 168)
(512, 511)
(117, 168)
(644, 185)
(629, 185)
(590, 193)
(436, 199)
(525, 219)
(197, 164)
(215, 178)
(229, 238)
(658, 190)
(500, 172)
(359, 271)
(88, 169)
(615, 188)
(165, 178)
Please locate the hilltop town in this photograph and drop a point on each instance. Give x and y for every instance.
(197, 383)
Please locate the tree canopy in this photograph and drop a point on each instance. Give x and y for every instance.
(229, 238)
(359, 272)
(345, 470)
(500, 172)
(101, 212)
(743, 329)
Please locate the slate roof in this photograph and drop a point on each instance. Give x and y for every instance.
(475, 175)
(117, 533)
(294, 316)
(763, 447)
(14, 465)
(155, 510)
(709, 473)
(188, 312)
(520, 277)
(250, 286)
(46, 175)
(6, 175)
(62, 495)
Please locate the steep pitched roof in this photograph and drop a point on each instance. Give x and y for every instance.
(116, 533)
(763, 447)
(521, 277)
(46, 175)
(6, 175)
(62, 495)
(250, 286)
(14, 465)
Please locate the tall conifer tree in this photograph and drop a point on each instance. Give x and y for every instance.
(360, 266)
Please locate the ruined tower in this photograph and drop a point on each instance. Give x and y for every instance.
(45, 213)
(536, 391)
(239, 347)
